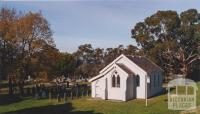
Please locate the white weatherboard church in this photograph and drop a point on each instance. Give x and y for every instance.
(126, 78)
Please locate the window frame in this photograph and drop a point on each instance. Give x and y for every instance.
(137, 80)
(118, 81)
(115, 80)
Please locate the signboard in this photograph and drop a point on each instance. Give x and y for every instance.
(181, 101)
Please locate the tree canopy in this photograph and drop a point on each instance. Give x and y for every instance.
(27, 47)
(21, 37)
(171, 39)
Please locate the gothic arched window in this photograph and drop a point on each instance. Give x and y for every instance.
(115, 79)
(137, 80)
(118, 81)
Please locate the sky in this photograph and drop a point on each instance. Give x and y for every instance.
(102, 23)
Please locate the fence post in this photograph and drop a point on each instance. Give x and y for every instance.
(76, 92)
(65, 97)
(87, 92)
(71, 94)
(82, 92)
(49, 96)
(57, 97)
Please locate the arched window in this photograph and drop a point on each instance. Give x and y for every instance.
(113, 81)
(118, 81)
(137, 80)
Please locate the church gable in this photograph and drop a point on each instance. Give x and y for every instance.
(142, 63)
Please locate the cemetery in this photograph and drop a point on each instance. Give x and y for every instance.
(60, 89)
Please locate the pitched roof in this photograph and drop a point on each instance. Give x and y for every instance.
(144, 63)
(96, 77)
(125, 68)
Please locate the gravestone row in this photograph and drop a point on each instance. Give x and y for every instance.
(59, 92)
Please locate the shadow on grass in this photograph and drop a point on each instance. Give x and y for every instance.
(5, 99)
(51, 109)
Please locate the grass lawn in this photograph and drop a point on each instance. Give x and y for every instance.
(156, 105)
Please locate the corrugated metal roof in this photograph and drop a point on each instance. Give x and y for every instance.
(125, 68)
(144, 63)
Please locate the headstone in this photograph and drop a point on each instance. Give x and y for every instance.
(58, 98)
(43, 94)
(28, 91)
(36, 95)
(67, 84)
(50, 96)
(33, 91)
(65, 97)
(71, 93)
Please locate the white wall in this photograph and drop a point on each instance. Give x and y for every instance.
(101, 87)
(114, 92)
(138, 71)
(127, 83)
(93, 89)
